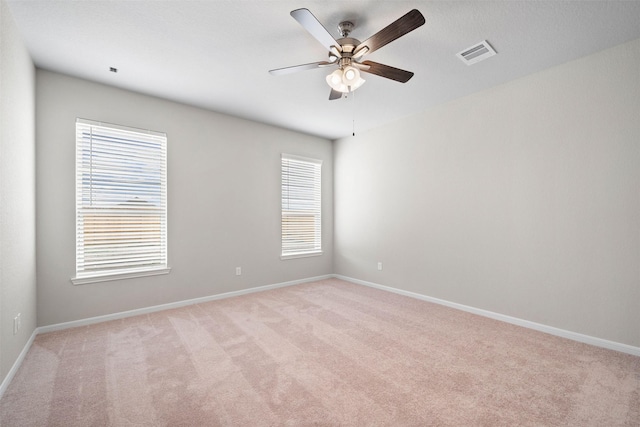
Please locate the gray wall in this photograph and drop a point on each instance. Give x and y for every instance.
(223, 197)
(17, 192)
(523, 199)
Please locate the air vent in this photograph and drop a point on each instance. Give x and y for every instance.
(476, 53)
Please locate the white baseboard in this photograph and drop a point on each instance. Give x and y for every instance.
(587, 339)
(16, 365)
(177, 304)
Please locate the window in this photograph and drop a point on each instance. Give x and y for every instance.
(301, 207)
(121, 202)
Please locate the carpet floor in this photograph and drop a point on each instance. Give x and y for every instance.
(328, 353)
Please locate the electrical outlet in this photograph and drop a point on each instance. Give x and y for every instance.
(238, 271)
(379, 266)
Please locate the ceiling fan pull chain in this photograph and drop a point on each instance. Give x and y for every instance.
(353, 121)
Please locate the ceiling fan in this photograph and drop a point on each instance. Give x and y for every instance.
(347, 52)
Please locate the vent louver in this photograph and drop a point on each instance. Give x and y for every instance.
(476, 53)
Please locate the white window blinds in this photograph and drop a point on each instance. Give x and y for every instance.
(301, 206)
(121, 199)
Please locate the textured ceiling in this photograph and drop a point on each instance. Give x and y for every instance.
(216, 54)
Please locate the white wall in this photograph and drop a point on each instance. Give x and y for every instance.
(17, 192)
(523, 199)
(223, 196)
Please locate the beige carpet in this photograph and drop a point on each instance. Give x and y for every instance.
(329, 353)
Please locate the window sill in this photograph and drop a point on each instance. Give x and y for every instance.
(302, 255)
(119, 276)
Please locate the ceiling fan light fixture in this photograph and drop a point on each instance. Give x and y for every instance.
(334, 80)
(357, 84)
(345, 80)
(351, 77)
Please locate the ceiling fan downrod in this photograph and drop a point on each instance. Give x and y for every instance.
(345, 27)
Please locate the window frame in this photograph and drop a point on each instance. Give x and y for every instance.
(285, 248)
(160, 258)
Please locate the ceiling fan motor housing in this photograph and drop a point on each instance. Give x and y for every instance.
(348, 45)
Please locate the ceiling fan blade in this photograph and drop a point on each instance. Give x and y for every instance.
(296, 68)
(334, 95)
(387, 71)
(396, 29)
(315, 28)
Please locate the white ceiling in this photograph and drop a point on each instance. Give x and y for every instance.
(216, 54)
